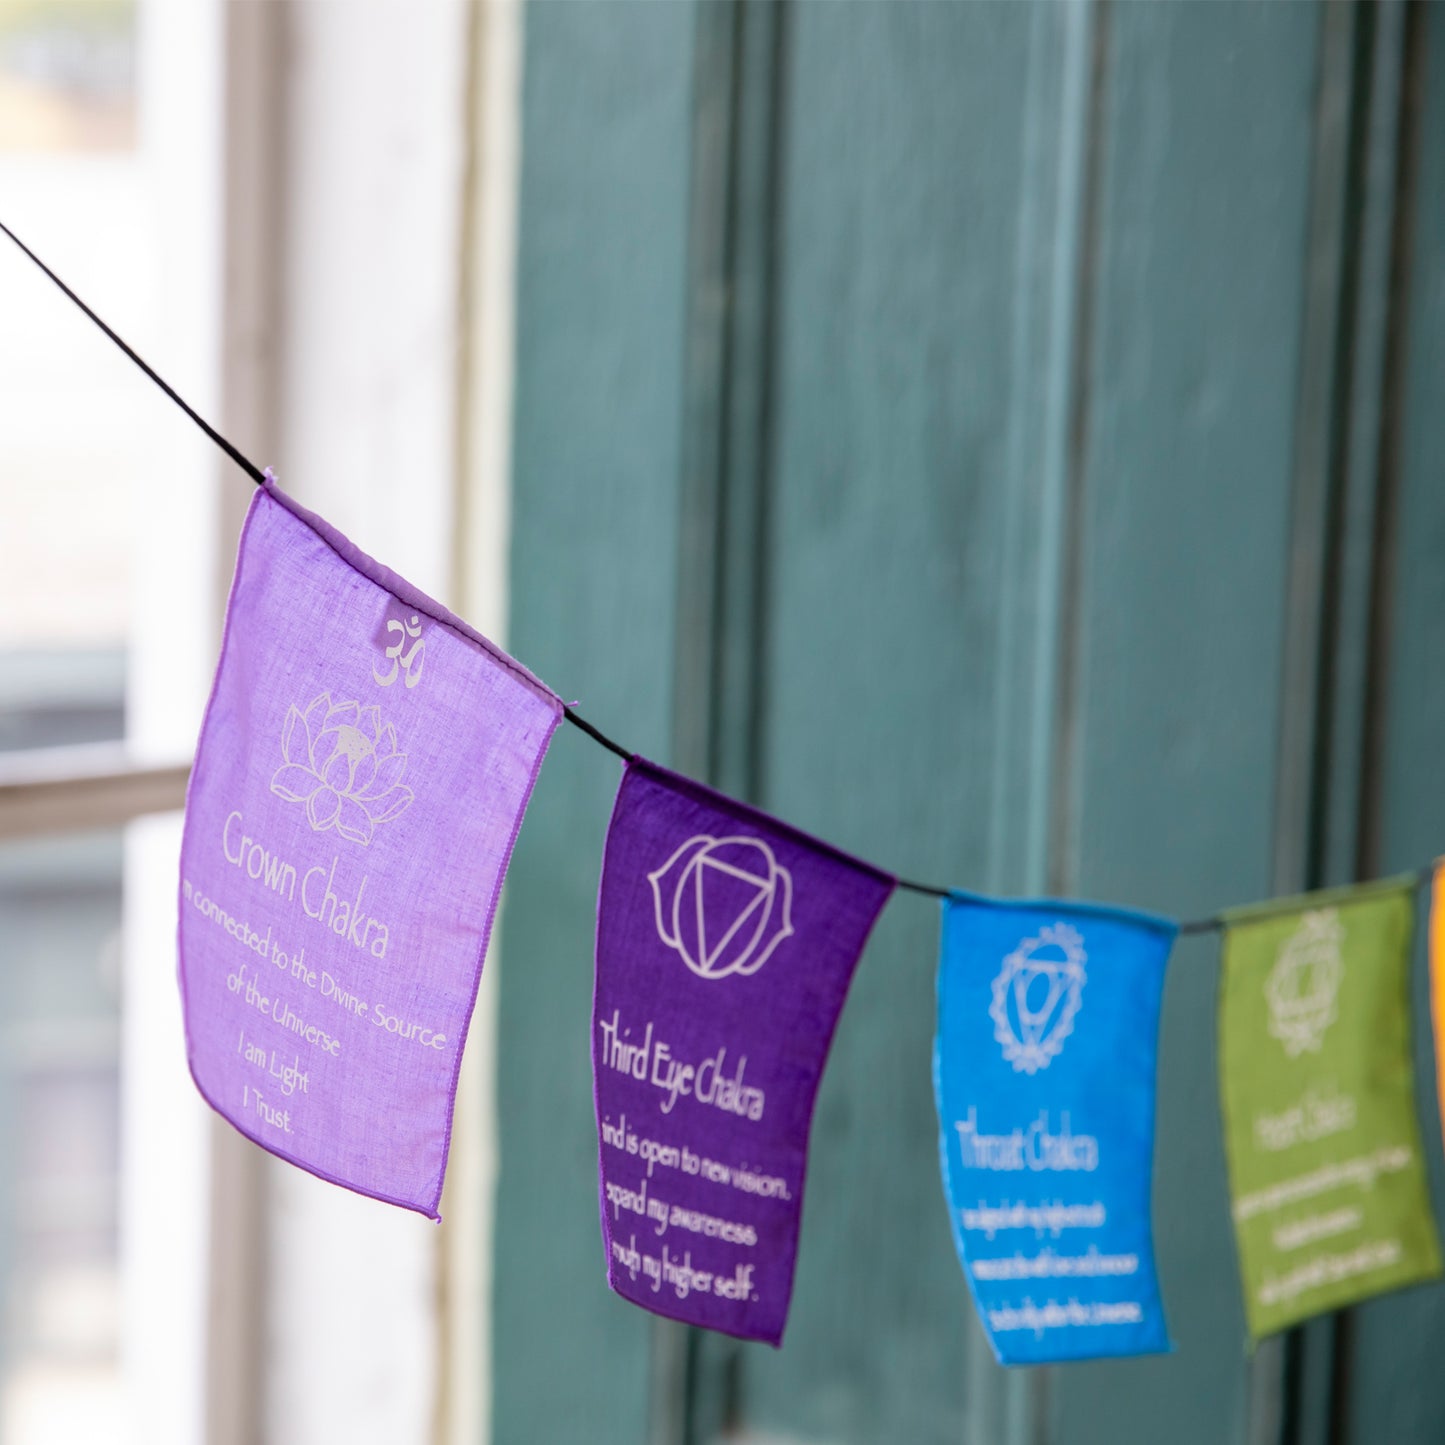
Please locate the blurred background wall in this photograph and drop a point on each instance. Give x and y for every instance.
(1000, 438)
(1005, 440)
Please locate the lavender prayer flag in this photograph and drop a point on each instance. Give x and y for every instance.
(362, 771)
(726, 941)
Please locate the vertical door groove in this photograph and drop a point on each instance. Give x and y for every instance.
(1394, 369)
(1334, 578)
(697, 1376)
(1063, 852)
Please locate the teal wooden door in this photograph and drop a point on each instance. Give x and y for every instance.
(1002, 439)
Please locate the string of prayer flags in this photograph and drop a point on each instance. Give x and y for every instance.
(726, 942)
(364, 764)
(1317, 1090)
(362, 771)
(1044, 1072)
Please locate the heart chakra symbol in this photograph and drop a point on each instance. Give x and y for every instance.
(724, 904)
(1036, 995)
(1304, 983)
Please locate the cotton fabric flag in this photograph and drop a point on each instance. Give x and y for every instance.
(1044, 1072)
(726, 941)
(1437, 979)
(1318, 1093)
(362, 771)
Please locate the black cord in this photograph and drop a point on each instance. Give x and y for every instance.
(926, 889)
(596, 734)
(240, 459)
(1211, 925)
(246, 465)
(1196, 925)
(259, 477)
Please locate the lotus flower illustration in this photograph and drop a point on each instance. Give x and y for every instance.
(342, 761)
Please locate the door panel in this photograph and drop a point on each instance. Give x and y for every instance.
(1394, 1389)
(1180, 619)
(600, 324)
(1001, 439)
(917, 319)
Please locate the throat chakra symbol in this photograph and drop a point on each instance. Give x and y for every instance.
(1304, 984)
(344, 764)
(724, 904)
(1036, 995)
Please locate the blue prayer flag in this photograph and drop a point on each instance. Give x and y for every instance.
(1044, 1072)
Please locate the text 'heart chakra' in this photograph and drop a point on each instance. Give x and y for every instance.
(723, 903)
(1036, 995)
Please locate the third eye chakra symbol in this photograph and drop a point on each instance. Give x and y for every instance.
(723, 903)
(1036, 995)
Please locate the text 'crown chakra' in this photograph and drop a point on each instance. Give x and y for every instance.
(724, 904)
(1304, 983)
(1036, 995)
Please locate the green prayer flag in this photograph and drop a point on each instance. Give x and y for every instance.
(1317, 1088)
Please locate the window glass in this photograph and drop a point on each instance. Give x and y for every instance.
(60, 921)
(70, 439)
(109, 153)
(67, 75)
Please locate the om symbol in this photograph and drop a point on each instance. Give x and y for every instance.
(403, 660)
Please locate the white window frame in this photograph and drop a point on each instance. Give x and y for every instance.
(248, 1355)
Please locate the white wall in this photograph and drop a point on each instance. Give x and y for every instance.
(165, 1127)
(483, 536)
(370, 250)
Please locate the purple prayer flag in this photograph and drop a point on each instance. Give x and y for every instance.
(726, 941)
(362, 771)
